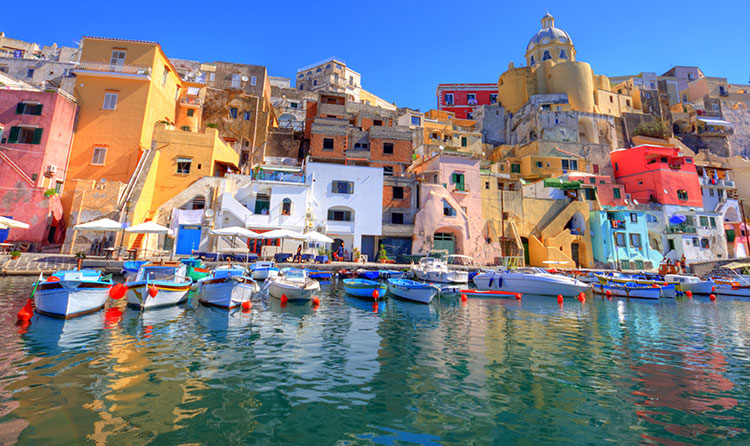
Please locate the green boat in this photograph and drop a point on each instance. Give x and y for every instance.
(196, 270)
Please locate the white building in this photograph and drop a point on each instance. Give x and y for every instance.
(346, 203)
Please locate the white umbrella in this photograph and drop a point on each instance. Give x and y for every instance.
(8, 223)
(235, 231)
(104, 225)
(318, 237)
(150, 227)
(283, 233)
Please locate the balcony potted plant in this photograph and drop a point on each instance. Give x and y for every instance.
(355, 255)
(15, 254)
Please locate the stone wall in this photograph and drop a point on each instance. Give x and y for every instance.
(740, 140)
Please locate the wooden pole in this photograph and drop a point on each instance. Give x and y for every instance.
(744, 222)
(502, 219)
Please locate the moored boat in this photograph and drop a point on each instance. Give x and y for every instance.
(731, 287)
(364, 287)
(667, 291)
(631, 289)
(226, 287)
(690, 283)
(319, 275)
(71, 293)
(158, 285)
(529, 281)
(411, 290)
(391, 274)
(294, 284)
(262, 270)
(196, 270)
(431, 269)
(131, 267)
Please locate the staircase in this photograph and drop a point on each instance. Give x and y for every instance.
(139, 237)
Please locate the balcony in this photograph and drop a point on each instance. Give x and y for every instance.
(339, 227)
(191, 101)
(279, 176)
(331, 110)
(710, 182)
(460, 189)
(681, 229)
(105, 69)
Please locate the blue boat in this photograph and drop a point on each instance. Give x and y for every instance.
(411, 290)
(320, 275)
(364, 287)
(131, 268)
(369, 275)
(391, 274)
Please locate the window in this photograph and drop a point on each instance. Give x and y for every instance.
(546, 55)
(493, 98)
(616, 192)
(25, 108)
(611, 99)
(398, 193)
(397, 218)
(627, 102)
(563, 54)
(532, 61)
(539, 164)
(190, 112)
(703, 221)
(100, 156)
(377, 122)
(464, 141)
(469, 115)
(246, 116)
(448, 210)
(327, 143)
(592, 180)
(487, 185)
(696, 241)
(30, 73)
(301, 86)
(183, 165)
(339, 215)
(515, 168)
(416, 120)
(471, 98)
(573, 164)
(651, 219)
(704, 243)
(720, 192)
(300, 76)
(110, 101)
(286, 206)
(714, 106)
(619, 239)
(448, 98)
(635, 240)
(713, 221)
(25, 135)
(253, 80)
(118, 58)
(342, 187)
(590, 194)
(233, 112)
(388, 148)
(236, 81)
(595, 168)
(710, 192)
(315, 82)
(164, 77)
(458, 180)
(682, 195)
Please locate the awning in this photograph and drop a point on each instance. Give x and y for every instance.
(677, 219)
(715, 121)
(736, 265)
(562, 184)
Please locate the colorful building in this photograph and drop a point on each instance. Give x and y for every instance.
(443, 131)
(619, 239)
(34, 159)
(463, 99)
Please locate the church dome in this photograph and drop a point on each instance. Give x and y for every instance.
(549, 33)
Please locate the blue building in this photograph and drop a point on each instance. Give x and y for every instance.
(619, 238)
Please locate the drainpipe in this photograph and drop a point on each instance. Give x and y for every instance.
(744, 222)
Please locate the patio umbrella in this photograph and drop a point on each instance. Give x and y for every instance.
(677, 219)
(8, 223)
(235, 231)
(318, 237)
(283, 233)
(150, 227)
(103, 225)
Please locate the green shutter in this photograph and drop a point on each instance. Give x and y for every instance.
(37, 136)
(350, 188)
(13, 136)
(38, 109)
(19, 108)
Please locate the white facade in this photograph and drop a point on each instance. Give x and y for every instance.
(700, 238)
(346, 212)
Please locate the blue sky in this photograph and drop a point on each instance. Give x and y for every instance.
(405, 48)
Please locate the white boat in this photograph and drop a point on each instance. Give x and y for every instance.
(431, 269)
(262, 270)
(530, 280)
(690, 283)
(411, 290)
(294, 284)
(226, 287)
(732, 287)
(631, 289)
(72, 293)
(169, 279)
(618, 278)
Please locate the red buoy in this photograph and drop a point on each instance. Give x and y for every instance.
(375, 294)
(654, 286)
(464, 298)
(247, 305)
(609, 294)
(581, 296)
(27, 312)
(316, 300)
(118, 291)
(153, 291)
(689, 294)
(518, 296)
(713, 289)
(559, 299)
(712, 297)
(53, 279)
(284, 300)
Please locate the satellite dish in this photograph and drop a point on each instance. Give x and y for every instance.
(666, 191)
(208, 213)
(102, 181)
(245, 78)
(635, 201)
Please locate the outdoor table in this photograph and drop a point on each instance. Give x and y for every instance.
(282, 257)
(321, 259)
(108, 252)
(245, 257)
(132, 254)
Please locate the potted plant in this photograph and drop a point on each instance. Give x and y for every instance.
(79, 257)
(382, 255)
(49, 193)
(355, 254)
(15, 254)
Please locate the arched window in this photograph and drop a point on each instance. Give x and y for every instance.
(301, 75)
(532, 61)
(318, 70)
(301, 86)
(309, 73)
(328, 66)
(546, 55)
(563, 54)
(286, 206)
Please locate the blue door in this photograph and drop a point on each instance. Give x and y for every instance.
(368, 247)
(188, 239)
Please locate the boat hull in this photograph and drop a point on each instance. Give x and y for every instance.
(633, 292)
(528, 284)
(412, 291)
(168, 294)
(364, 288)
(442, 276)
(264, 273)
(730, 290)
(293, 291)
(68, 299)
(226, 292)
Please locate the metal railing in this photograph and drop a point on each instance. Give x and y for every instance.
(191, 100)
(113, 68)
(681, 229)
(282, 177)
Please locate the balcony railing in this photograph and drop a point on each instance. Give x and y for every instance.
(282, 177)
(707, 181)
(114, 68)
(191, 100)
(681, 229)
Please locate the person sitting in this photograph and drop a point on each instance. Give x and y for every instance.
(338, 255)
(298, 256)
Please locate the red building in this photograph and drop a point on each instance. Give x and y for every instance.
(34, 154)
(462, 99)
(658, 174)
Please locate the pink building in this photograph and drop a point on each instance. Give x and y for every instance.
(609, 192)
(450, 207)
(34, 151)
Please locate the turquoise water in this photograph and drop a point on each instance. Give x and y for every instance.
(484, 372)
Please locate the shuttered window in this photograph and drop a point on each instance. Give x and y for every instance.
(25, 108)
(25, 135)
(110, 101)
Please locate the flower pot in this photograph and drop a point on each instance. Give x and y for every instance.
(382, 260)
(15, 257)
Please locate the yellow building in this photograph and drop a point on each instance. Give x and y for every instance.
(443, 131)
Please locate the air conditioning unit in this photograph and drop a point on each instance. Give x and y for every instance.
(51, 168)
